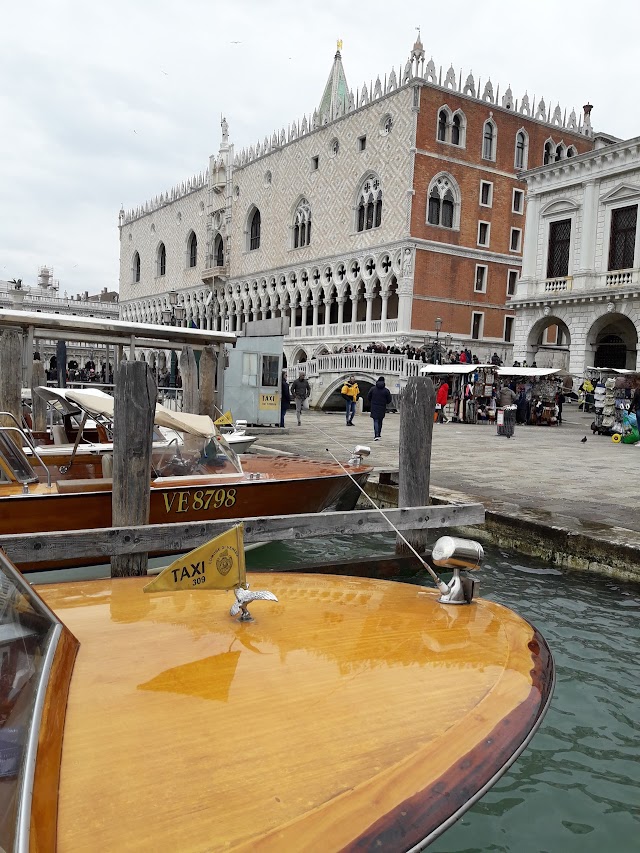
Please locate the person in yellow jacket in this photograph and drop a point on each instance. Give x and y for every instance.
(350, 392)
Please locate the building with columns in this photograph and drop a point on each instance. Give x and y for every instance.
(364, 222)
(578, 299)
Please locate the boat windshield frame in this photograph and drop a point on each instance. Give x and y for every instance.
(13, 460)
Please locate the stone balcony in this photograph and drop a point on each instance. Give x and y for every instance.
(212, 272)
(579, 283)
(347, 331)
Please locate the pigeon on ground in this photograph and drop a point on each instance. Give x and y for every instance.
(582, 440)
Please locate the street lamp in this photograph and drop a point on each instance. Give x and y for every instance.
(175, 313)
(436, 351)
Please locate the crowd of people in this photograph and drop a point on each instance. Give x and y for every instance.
(426, 353)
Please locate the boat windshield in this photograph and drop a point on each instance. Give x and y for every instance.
(14, 465)
(190, 455)
(28, 637)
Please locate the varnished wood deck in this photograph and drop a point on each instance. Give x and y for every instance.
(353, 714)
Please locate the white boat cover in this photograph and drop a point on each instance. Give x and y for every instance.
(96, 402)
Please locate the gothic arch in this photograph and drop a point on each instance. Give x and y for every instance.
(444, 201)
(612, 338)
(368, 203)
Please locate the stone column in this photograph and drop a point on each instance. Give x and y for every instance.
(340, 313)
(589, 226)
(303, 314)
(383, 315)
(327, 315)
(354, 310)
(530, 246)
(369, 298)
(315, 317)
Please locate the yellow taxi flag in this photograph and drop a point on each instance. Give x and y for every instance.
(224, 419)
(218, 564)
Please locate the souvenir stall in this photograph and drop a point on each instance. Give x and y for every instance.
(471, 390)
(613, 391)
(536, 389)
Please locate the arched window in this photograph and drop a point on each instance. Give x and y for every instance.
(136, 267)
(548, 152)
(254, 230)
(370, 204)
(193, 249)
(522, 144)
(442, 126)
(444, 202)
(560, 149)
(571, 151)
(162, 259)
(218, 251)
(302, 224)
(456, 130)
(489, 141)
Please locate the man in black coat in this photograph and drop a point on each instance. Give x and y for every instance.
(285, 397)
(379, 397)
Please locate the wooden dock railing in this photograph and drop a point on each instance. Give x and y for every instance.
(100, 545)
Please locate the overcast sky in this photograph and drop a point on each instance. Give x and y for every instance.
(110, 103)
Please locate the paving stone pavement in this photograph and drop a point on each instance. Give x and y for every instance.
(547, 471)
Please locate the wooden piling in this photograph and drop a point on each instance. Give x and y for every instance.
(207, 388)
(417, 408)
(61, 363)
(10, 375)
(189, 374)
(38, 405)
(134, 408)
(220, 366)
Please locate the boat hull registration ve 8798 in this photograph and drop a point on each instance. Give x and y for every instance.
(198, 478)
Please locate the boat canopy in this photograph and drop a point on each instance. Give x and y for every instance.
(532, 372)
(452, 369)
(96, 402)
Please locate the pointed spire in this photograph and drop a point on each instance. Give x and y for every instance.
(336, 91)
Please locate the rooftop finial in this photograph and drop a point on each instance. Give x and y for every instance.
(339, 44)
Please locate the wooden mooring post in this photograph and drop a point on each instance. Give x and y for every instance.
(189, 374)
(38, 405)
(417, 408)
(61, 364)
(10, 375)
(208, 365)
(134, 408)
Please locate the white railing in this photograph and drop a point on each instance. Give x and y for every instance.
(372, 362)
(412, 367)
(345, 330)
(619, 278)
(556, 285)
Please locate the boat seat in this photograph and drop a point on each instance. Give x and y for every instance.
(96, 484)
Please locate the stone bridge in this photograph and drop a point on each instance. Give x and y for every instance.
(327, 373)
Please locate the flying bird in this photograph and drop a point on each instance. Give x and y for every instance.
(235, 42)
(582, 440)
(165, 73)
(244, 597)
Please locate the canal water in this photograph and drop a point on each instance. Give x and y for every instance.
(576, 788)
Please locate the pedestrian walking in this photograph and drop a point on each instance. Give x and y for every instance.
(285, 397)
(442, 398)
(300, 389)
(635, 406)
(379, 397)
(350, 393)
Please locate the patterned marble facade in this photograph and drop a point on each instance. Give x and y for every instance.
(578, 299)
(326, 222)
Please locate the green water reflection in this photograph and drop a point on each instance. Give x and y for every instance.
(576, 789)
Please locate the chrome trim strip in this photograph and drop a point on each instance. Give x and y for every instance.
(31, 752)
(421, 845)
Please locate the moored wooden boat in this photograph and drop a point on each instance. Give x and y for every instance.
(352, 714)
(198, 479)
